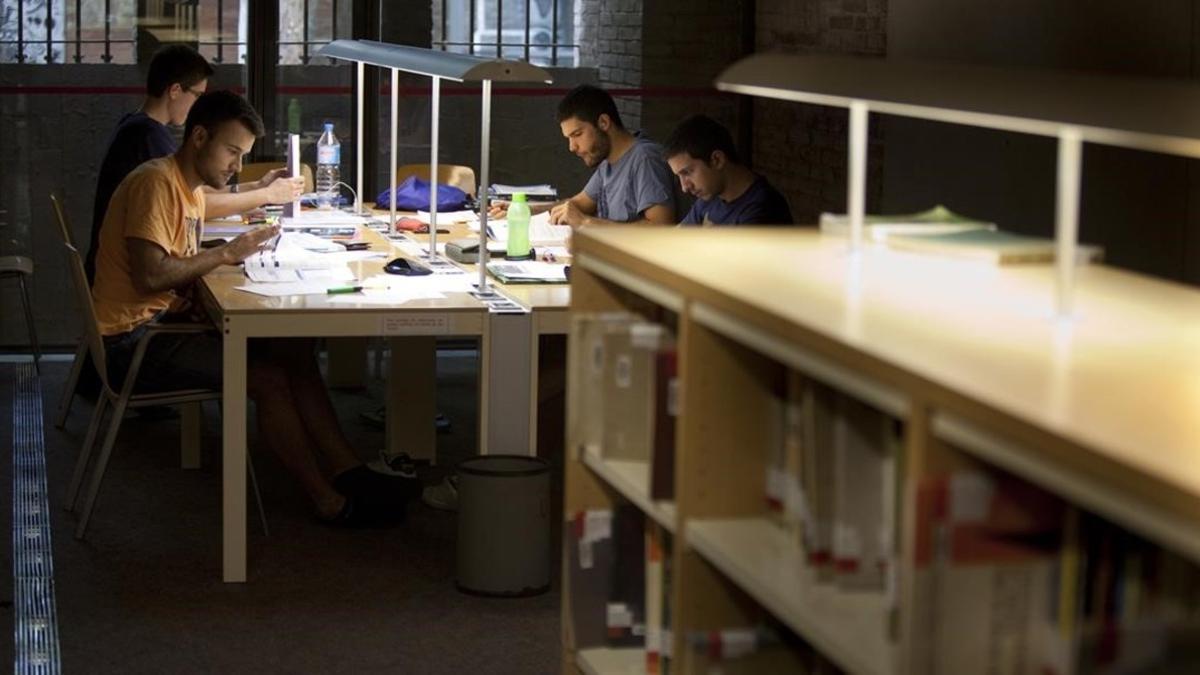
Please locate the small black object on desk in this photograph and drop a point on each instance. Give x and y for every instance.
(406, 267)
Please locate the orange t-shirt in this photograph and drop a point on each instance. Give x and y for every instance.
(152, 203)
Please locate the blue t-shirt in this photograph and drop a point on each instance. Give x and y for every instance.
(760, 204)
(639, 180)
(138, 138)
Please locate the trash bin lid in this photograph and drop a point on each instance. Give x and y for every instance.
(503, 465)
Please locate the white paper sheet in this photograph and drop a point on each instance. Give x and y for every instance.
(275, 290)
(391, 296)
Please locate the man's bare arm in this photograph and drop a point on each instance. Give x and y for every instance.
(218, 204)
(154, 270)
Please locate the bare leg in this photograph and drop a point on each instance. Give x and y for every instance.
(312, 402)
(281, 425)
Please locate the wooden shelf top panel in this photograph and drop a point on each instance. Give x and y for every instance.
(1119, 381)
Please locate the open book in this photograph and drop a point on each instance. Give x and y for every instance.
(540, 230)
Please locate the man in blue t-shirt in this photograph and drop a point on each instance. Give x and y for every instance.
(701, 152)
(632, 183)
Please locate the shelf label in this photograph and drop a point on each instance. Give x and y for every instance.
(413, 325)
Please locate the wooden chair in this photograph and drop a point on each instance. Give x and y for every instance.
(68, 394)
(191, 399)
(461, 177)
(20, 268)
(255, 171)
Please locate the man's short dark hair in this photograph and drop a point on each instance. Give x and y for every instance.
(176, 63)
(700, 136)
(588, 103)
(218, 107)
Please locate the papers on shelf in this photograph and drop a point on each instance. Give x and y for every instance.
(938, 220)
(994, 246)
(528, 272)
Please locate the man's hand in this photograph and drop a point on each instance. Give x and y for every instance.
(497, 209)
(270, 177)
(567, 213)
(245, 245)
(284, 190)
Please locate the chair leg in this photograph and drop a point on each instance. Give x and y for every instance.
(68, 395)
(110, 439)
(37, 350)
(192, 419)
(85, 451)
(262, 514)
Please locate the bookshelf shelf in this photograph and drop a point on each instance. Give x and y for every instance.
(632, 479)
(609, 661)
(848, 627)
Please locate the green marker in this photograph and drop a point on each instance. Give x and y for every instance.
(343, 289)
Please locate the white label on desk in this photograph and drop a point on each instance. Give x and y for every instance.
(413, 325)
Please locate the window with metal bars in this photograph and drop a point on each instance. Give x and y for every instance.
(539, 31)
(124, 31)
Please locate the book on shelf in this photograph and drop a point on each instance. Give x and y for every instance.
(861, 530)
(666, 409)
(625, 614)
(938, 220)
(654, 600)
(590, 558)
(588, 366)
(994, 246)
(817, 477)
(1009, 578)
(630, 382)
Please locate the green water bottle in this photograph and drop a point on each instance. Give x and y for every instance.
(518, 227)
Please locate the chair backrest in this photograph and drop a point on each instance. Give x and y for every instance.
(256, 170)
(83, 295)
(461, 177)
(64, 225)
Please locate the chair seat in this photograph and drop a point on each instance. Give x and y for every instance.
(16, 263)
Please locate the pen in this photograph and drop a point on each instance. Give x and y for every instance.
(343, 289)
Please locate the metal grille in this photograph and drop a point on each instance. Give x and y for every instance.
(538, 31)
(72, 31)
(35, 620)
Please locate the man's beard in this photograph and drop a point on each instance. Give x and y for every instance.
(600, 153)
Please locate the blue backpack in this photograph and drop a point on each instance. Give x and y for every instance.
(413, 195)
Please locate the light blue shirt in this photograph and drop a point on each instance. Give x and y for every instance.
(639, 180)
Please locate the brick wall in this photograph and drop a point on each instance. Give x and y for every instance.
(802, 148)
(609, 33)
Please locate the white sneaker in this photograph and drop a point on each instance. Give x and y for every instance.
(443, 496)
(394, 465)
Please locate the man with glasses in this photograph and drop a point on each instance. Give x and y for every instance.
(178, 76)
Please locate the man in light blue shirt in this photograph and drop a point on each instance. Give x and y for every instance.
(632, 182)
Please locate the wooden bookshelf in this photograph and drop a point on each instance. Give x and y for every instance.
(606, 661)
(964, 354)
(632, 479)
(848, 628)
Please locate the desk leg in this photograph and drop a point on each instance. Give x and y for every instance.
(233, 458)
(412, 397)
(507, 395)
(534, 393)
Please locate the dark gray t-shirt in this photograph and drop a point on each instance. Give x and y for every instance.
(639, 180)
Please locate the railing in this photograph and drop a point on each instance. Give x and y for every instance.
(65, 31)
(546, 53)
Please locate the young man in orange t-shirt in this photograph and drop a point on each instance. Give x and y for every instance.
(150, 259)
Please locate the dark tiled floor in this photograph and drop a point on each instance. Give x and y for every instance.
(142, 594)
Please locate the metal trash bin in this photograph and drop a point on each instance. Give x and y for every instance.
(503, 525)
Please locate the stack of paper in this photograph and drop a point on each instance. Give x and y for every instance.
(938, 220)
(289, 260)
(535, 193)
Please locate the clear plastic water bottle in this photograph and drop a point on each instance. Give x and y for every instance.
(518, 227)
(329, 157)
